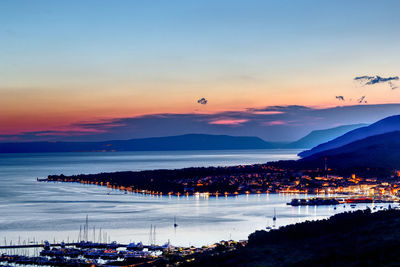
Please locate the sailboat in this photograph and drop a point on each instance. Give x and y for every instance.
(175, 225)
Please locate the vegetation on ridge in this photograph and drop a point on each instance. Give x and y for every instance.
(359, 238)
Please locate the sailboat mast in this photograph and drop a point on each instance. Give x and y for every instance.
(151, 235)
(87, 228)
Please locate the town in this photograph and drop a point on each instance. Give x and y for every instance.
(245, 179)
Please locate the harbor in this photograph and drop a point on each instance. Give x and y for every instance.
(105, 254)
(95, 253)
(95, 249)
(92, 249)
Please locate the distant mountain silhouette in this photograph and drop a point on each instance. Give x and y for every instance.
(181, 142)
(321, 136)
(386, 125)
(378, 151)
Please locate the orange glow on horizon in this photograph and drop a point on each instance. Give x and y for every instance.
(25, 110)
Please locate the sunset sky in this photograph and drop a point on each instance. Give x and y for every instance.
(78, 68)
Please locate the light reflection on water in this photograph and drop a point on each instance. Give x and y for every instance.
(56, 210)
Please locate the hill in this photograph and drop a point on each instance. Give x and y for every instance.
(321, 136)
(386, 125)
(181, 142)
(359, 238)
(378, 151)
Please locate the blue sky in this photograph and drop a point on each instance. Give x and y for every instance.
(70, 62)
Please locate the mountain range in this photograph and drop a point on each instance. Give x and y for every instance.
(181, 142)
(377, 151)
(385, 125)
(334, 142)
(321, 136)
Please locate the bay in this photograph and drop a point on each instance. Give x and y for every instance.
(56, 211)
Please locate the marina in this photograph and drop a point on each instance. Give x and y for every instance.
(97, 254)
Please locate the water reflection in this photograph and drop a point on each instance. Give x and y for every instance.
(41, 211)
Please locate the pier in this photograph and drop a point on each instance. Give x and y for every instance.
(41, 245)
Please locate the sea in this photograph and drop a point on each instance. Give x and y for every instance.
(32, 211)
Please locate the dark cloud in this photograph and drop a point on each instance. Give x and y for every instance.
(202, 101)
(361, 100)
(392, 85)
(291, 108)
(371, 80)
(50, 136)
(339, 97)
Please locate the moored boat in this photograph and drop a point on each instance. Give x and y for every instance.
(359, 200)
(316, 201)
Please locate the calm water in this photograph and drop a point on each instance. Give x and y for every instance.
(50, 211)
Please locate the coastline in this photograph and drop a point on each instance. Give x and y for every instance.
(273, 177)
(170, 193)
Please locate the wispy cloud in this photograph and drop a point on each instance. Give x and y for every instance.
(265, 112)
(50, 135)
(229, 121)
(274, 123)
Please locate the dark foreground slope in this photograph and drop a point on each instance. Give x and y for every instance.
(378, 151)
(360, 238)
(386, 125)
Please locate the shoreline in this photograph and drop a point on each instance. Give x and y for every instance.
(319, 199)
(177, 194)
(273, 177)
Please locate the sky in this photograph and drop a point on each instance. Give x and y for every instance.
(66, 66)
